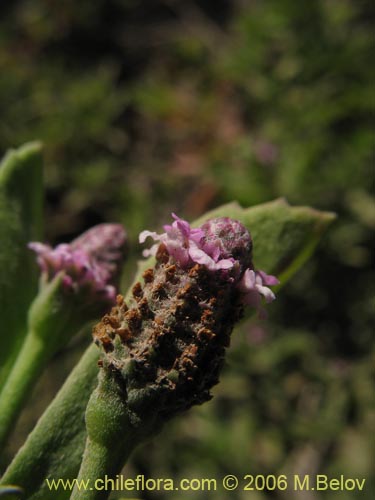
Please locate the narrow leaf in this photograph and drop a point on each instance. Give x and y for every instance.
(21, 197)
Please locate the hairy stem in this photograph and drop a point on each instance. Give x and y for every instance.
(111, 438)
(59, 433)
(100, 465)
(27, 368)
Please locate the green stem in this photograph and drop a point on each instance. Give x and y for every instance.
(100, 464)
(25, 371)
(110, 440)
(59, 433)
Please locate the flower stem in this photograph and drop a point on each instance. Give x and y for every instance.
(111, 438)
(27, 368)
(100, 464)
(60, 432)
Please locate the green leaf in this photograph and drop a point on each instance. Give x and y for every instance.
(21, 199)
(284, 237)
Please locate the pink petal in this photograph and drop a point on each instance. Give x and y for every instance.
(182, 226)
(266, 292)
(200, 257)
(151, 251)
(39, 247)
(145, 234)
(179, 225)
(268, 279)
(196, 235)
(224, 264)
(247, 282)
(177, 251)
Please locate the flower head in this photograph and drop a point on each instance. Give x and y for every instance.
(217, 244)
(164, 347)
(220, 244)
(90, 263)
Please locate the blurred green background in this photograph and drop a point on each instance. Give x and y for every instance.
(151, 107)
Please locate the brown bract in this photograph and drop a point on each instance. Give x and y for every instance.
(170, 338)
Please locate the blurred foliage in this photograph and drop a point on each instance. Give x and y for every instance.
(149, 107)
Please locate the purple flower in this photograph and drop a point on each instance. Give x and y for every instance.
(177, 239)
(254, 286)
(105, 243)
(90, 263)
(227, 239)
(188, 246)
(220, 244)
